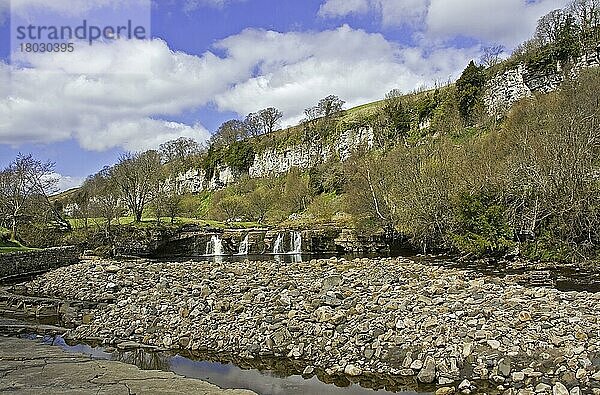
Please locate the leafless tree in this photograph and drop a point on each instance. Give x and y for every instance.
(179, 149)
(492, 55)
(104, 197)
(229, 132)
(550, 25)
(136, 176)
(269, 118)
(253, 124)
(24, 185)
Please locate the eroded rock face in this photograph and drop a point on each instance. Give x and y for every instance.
(505, 89)
(277, 160)
(386, 316)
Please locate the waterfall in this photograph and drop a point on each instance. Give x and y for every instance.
(278, 246)
(243, 250)
(296, 242)
(214, 247)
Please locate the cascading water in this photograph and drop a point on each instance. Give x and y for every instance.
(278, 245)
(214, 247)
(243, 250)
(296, 242)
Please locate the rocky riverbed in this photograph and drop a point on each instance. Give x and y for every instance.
(441, 329)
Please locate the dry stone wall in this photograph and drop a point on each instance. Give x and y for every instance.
(35, 261)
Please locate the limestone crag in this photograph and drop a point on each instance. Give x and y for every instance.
(505, 89)
(449, 327)
(275, 161)
(197, 180)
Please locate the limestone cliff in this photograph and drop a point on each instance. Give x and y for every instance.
(505, 89)
(274, 160)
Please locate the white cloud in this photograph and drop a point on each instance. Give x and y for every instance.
(64, 183)
(191, 5)
(392, 12)
(508, 22)
(340, 8)
(123, 94)
(297, 69)
(141, 134)
(97, 94)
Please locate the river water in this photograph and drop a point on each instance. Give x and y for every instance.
(263, 380)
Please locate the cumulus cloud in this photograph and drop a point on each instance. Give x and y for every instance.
(108, 95)
(296, 69)
(392, 12)
(507, 22)
(126, 93)
(340, 8)
(64, 183)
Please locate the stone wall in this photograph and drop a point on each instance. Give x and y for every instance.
(507, 88)
(36, 261)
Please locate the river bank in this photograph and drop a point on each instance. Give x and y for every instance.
(438, 328)
(28, 367)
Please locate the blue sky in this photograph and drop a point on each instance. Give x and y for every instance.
(212, 60)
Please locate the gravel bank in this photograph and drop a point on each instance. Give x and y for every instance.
(437, 326)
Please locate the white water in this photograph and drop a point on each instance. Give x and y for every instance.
(296, 242)
(243, 250)
(278, 246)
(214, 247)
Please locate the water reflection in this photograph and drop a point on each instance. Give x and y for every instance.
(264, 376)
(266, 382)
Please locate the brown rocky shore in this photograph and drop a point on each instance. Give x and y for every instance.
(441, 329)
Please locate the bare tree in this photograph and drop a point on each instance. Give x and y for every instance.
(326, 108)
(269, 118)
(253, 124)
(136, 176)
(24, 185)
(587, 16)
(104, 196)
(550, 26)
(179, 150)
(229, 132)
(492, 55)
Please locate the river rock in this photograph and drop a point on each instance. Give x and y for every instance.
(352, 370)
(504, 367)
(427, 373)
(559, 389)
(113, 269)
(387, 317)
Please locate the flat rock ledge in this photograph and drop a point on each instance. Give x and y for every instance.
(444, 329)
(28, 367)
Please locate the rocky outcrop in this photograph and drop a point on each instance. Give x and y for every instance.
(451, 327)
(275, 161)
(505, 89)
(28, 367)
(196, 180)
